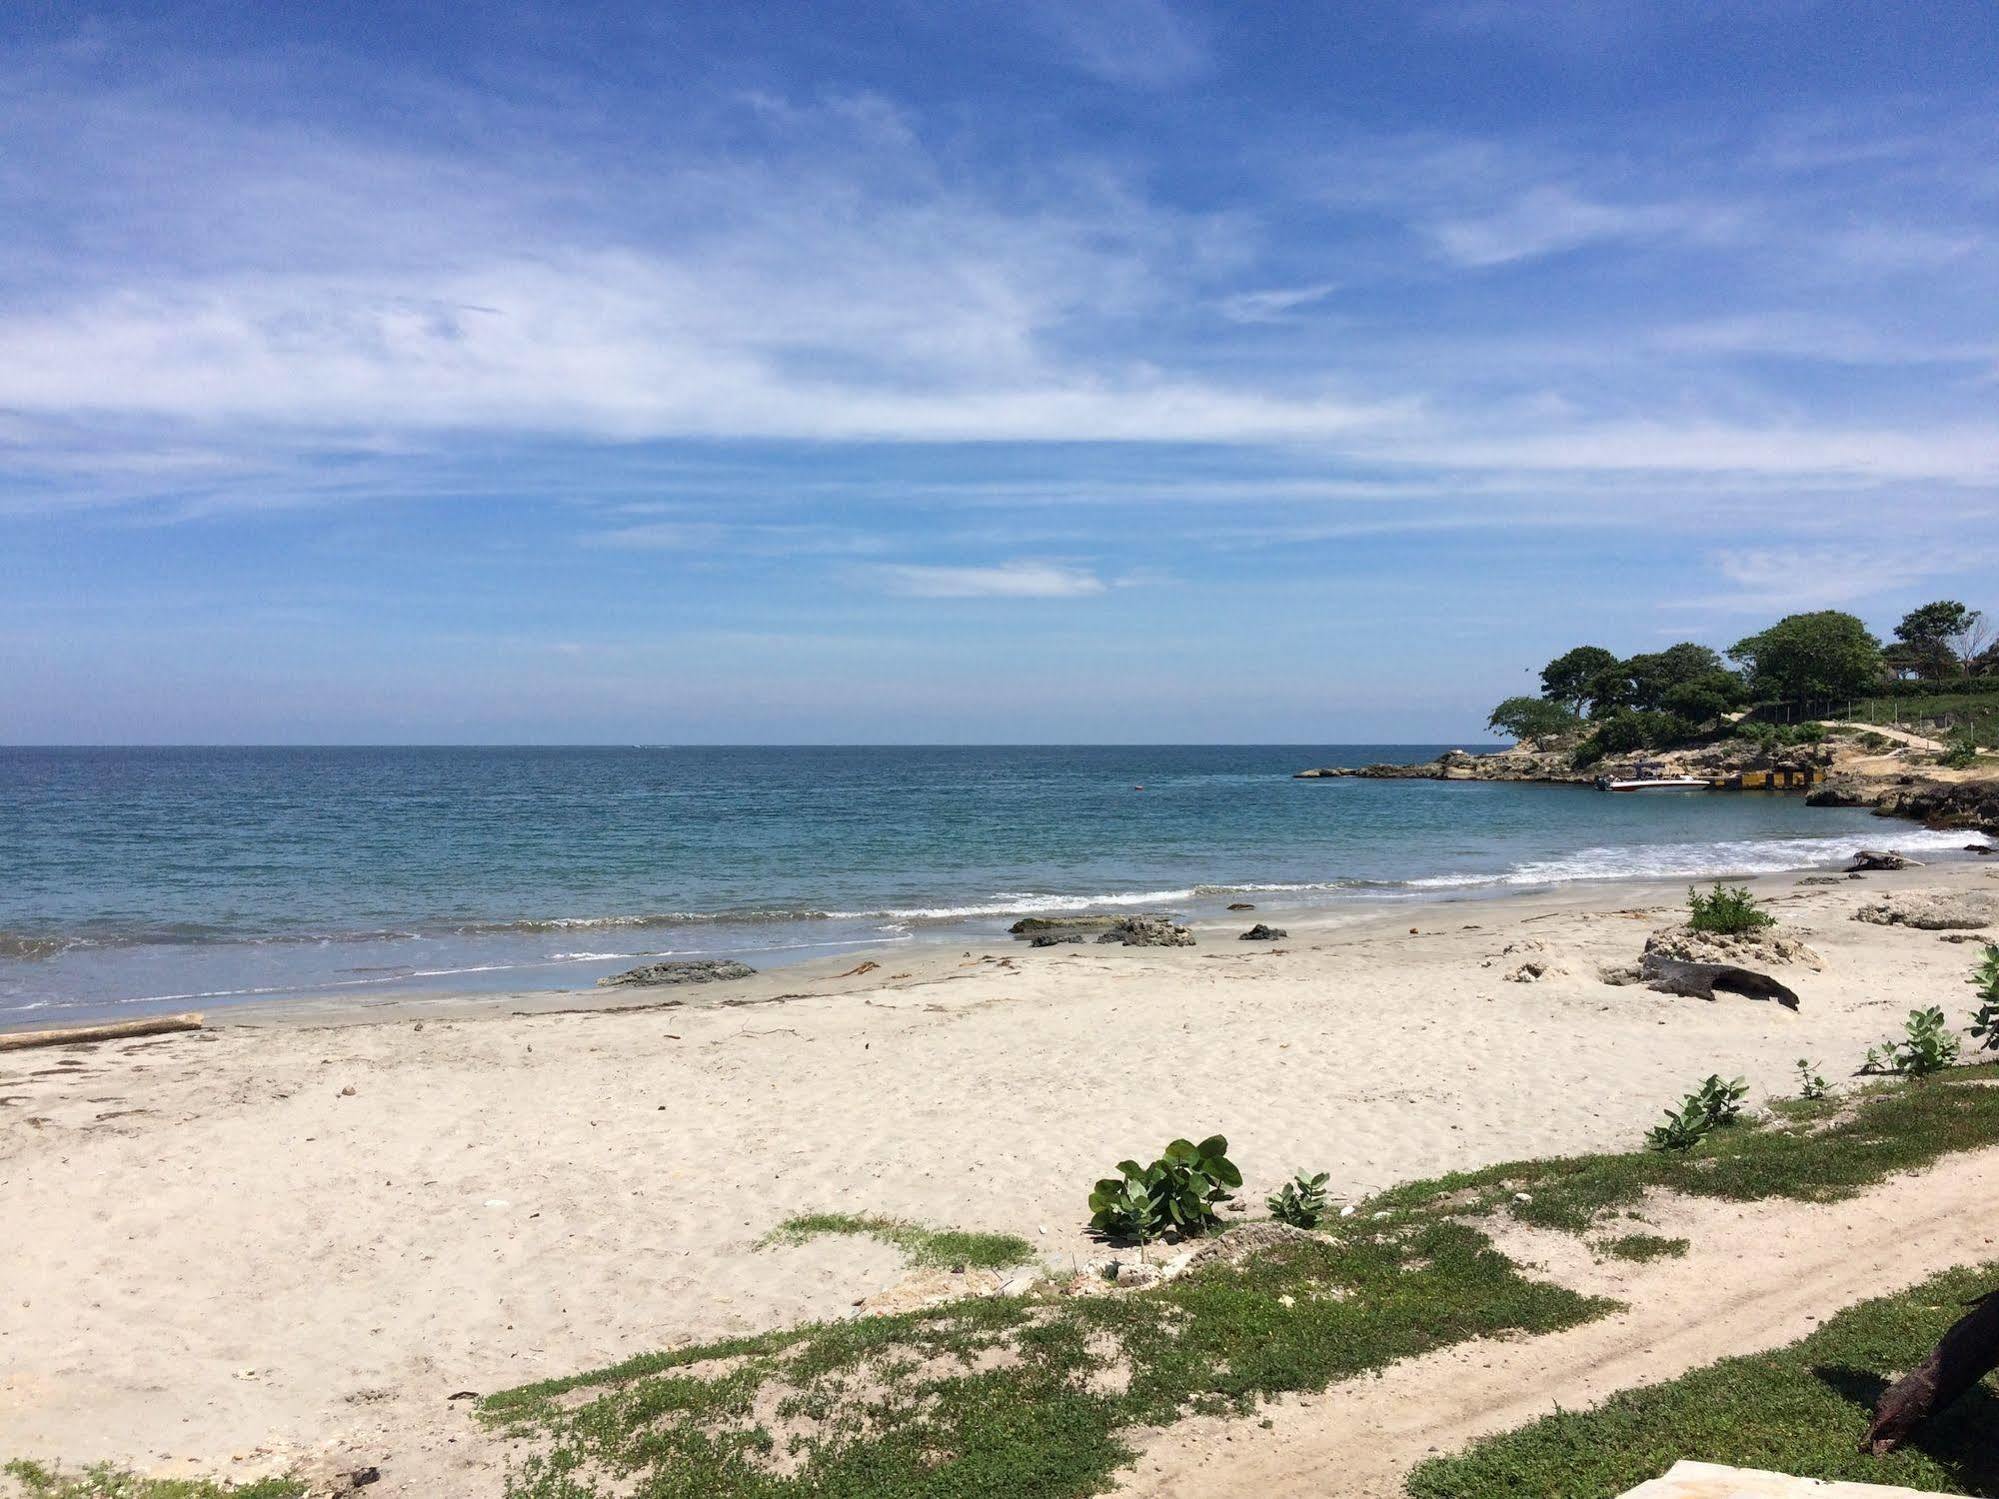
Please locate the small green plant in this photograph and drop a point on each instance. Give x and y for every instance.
(1727, 910)
(1985, 1019)
(1301, 1202)
(1961, 750)
(1720, 1101)
(1179, 1191)
(1681, 1131)
(1810, 1083)
(1711, 1106)
(937, 1248)
(1926, 1045)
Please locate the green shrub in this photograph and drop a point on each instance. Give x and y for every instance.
(1985, 1019)
(1727, 910)
(1925, 1046)
(1721, 1101)
(1711, 1106)
(1301, 1202)
(1810, 1083)
(1178, 1191)
(1962, 752)
(1681, 1131)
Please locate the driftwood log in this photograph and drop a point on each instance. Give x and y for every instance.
(1880, 858)
(119, 1031)
(1700, 980)
(1963, 1356)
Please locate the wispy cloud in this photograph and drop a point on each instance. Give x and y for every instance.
(1020, 579)
(1273, 304)
(1548, 220)
(1146, 43)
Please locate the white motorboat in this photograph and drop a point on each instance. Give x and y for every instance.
(1655, 783)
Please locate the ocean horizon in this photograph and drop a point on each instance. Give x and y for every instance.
(155, 877)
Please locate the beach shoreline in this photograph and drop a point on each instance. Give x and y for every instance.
(306, 1228)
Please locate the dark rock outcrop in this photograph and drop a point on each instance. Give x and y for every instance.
(1262, 933)
(1149, 931)
(1054, 939)
(680, 971)
(1701, 980)
(1027, 926)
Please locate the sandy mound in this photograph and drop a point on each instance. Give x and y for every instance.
(1745, 950)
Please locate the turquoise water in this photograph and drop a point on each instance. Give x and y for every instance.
(150, 878)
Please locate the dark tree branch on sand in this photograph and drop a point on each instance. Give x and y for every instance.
(1700, 980)
(1963, 1356)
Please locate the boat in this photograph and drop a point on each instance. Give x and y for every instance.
(1653, 778)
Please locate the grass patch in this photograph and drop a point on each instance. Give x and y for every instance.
(1015, 1396)
(102, 1481)
(1643, 1247)
(1810, 1150)
(945, 1249)
(1801, 1410)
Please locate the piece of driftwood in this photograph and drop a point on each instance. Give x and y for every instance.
(1700, 980)
(118, 1031)
(1881, 858)
(1963, 1356)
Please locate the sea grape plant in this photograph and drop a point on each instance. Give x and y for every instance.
(1710, 1106)
(1810, 1083)
(1681, 1131)
(1985, 1019)
(1300, 1202)
(1178, 1192)
(1926, 1045)
(1720, 1101)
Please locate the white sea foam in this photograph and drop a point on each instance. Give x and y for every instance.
(1693, 860)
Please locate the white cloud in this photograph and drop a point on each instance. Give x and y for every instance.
(1019, 579)
(1822, 577)
(1143, 43)
(1274, 304)
(1548, 220)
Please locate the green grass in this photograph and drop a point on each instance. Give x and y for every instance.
(1643, 1247)
(945, 1249)
(1015, 1396)
(1817, 1150)
(102, 1481)
(1800, 1410)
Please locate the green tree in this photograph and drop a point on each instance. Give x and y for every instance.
(1653, 676)
(1533, 718)
(1567, 679)
(1932, 632)
(1703, 699)
(1828, 653)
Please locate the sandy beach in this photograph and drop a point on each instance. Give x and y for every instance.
(292, 1239)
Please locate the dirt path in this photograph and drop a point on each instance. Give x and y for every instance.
(1757, 1277)
(1888, 731)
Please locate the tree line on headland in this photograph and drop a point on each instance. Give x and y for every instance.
(1607, 704)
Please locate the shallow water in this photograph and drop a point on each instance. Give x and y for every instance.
(150, 878)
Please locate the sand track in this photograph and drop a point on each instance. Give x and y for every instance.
(1757, 1276)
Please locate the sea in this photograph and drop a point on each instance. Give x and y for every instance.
(138, 880)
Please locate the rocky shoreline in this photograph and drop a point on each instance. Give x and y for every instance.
(1899, 783)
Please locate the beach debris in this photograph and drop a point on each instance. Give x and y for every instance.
(117, 1031)
(1823, 879)
(1981, 848)
(1620, 974)
(360, 1478)
(869, 966)
(681, 971)
(1764, 945)
(1243, 905)
(1701, 980)
(348, 1091)
(1262, 933)
(1932, 910)
(1149, 931)
(1879, 858)
(1965, 1354)
(1054, 939)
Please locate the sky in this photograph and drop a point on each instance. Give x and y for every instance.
(1037, 371)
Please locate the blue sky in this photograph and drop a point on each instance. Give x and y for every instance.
(1131, 370)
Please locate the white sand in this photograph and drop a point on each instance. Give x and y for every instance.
(218, 1258)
